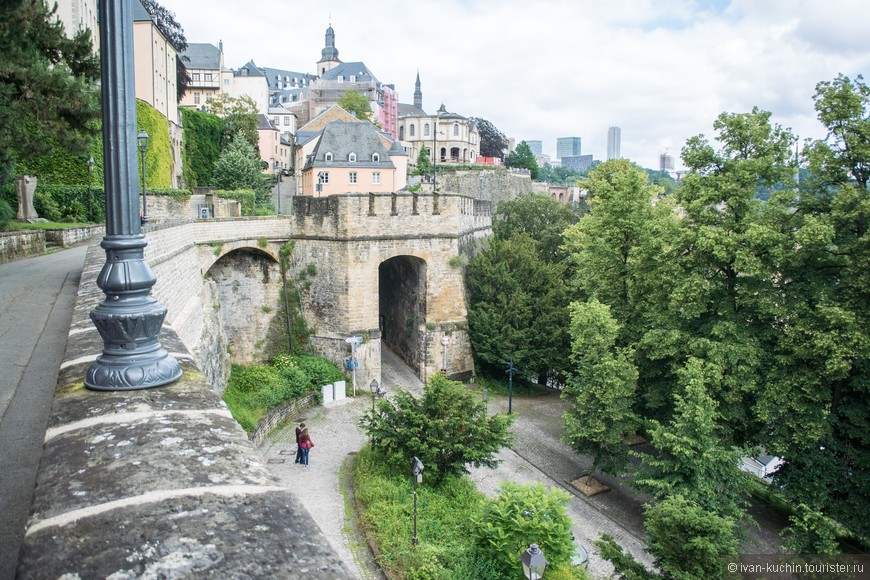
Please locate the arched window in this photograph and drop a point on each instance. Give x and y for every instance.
(327, 157)
(456, 129)
(376, 157)
(411, 130)
(402, 133)
(351, 157)
(426, 130)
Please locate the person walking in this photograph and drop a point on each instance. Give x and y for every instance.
(299, 429)
(306, 444)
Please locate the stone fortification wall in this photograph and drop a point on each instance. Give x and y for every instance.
(159, 482)
(493, 185)
(167, 208)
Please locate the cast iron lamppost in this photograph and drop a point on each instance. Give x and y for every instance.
(143, 139)
(417, 470)
(90, 197)
(129, 319)
(534, 562)
(377, 391)
(510, 371)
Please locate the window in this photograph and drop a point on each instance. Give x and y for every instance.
(194, 76)
(207, 76)
(426, 130)
(456, 130)
(275, 121)
(411, 130)
(352, 157)
(402, 133)
(353, 78)
(286, 121)
(226, 82)
(195, 98)
(376, 157)
(351, 177)
(323, 177)
(341, 78)
(327, 157)
(209, 97)
(376, 177)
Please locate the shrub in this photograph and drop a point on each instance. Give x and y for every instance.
(520, 515)
(7, 214)
(447, 428)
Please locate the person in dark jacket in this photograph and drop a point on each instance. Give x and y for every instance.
(299, 430)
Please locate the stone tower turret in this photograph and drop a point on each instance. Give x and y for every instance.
(329, 55)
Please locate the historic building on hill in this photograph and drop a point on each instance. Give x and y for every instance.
(452, 137)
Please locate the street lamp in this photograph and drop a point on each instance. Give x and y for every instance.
(417, 470)
(278, 185)
(534, 562)
(143, 139)
(510, 371)
(377, 391)
(90, 197)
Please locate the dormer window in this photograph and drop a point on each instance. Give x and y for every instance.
(353, 78)
(327, 157)
(376, 157)
(341, 78)
(351, 157)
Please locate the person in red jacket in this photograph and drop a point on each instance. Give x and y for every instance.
(299, 430)
(305, 443)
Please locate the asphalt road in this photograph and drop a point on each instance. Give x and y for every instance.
(36, 302)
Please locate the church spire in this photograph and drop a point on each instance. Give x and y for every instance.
(418, 94)
(329, 55)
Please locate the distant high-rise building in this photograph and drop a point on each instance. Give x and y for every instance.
(536, 146)
(666, 162)
(567, 147)
(577, 162)
(614, 136)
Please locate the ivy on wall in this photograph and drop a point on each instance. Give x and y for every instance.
(202, 146)
(158, 157)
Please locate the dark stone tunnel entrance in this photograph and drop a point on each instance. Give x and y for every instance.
(402, 306)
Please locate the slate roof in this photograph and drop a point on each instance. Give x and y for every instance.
(263, 122)
(346, 69)
(252, 70)
(139, 12)
(201, 55)
(287, 77)
(341, 139)
(406, 110)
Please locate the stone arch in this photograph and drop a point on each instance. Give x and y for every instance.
(241, 291)
(402, 287)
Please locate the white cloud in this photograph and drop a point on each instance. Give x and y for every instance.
(661, 70)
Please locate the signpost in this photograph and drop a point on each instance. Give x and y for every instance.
(445, 342)
(353, 341)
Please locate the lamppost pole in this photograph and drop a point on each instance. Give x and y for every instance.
(90, 196)
(143, 139)
(129, 319)
(417, 471)
(511, 370)
(434, 153)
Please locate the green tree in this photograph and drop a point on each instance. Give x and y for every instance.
(541, 217)
(521, 515)
(240, 115)
(424, 164)
(48, 95)
(446, 428)
(356, 103)
(517, 308)
(493, 142)
(691, 459)
(237, 167)
(600, 391)
(522, 157)
(688, 540)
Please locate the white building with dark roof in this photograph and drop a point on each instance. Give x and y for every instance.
(205, 65)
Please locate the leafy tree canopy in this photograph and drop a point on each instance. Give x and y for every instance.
(543, 218)
(522, 157)
(357, 103)
(240, 115)
(47, 85)
(447, 428)
(238, 167)
(493, 142)
(424, 164)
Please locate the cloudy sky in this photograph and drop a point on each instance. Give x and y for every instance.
(661, 70)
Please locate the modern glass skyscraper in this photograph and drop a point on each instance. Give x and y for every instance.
(567, 147)
(536, 146)
(614, 135)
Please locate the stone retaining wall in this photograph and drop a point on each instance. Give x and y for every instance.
(280, 414)
(20, 245)
(158, 483)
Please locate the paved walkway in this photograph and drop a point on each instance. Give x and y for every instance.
(36, 302)
(336, 435)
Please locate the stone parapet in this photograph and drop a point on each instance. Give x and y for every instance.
(158, 483)
(20, 245)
